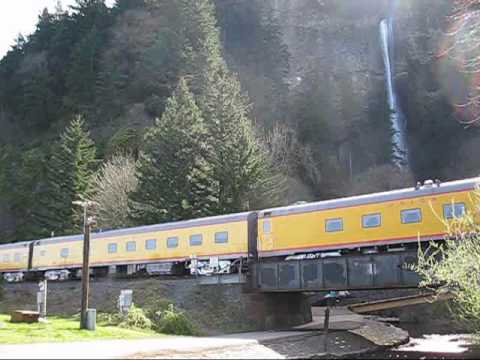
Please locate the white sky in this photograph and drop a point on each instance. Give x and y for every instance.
(20, 16)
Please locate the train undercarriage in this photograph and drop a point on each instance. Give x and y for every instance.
(197, 267)
(192, 267)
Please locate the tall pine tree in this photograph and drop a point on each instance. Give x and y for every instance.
(241, 168)
(69, 176)
(174, 177)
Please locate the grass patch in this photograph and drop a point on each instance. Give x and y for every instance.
(59, 329)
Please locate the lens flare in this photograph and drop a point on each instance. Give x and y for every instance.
(459, 55)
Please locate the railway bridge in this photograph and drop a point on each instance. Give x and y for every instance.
(353, 272)
(283, 290)
(272, 295)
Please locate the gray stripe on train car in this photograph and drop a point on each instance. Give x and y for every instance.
(23, 244)
(409, 193)
(214, 220)
(264, 254)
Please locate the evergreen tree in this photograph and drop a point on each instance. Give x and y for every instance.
(27, 194)
(83, 71)
(91, 19)
(125, 5)
(38, 102)
(241, 167)
(174, 177)
(202, 47)
(69, 175)
(8, 163)
(252, 36)
(20, 176)
(44, 31)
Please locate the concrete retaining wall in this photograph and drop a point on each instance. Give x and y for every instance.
(213, 309)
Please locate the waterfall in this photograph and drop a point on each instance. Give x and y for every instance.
(397, 119)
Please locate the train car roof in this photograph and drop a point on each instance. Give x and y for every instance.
(213, 220)
(17, 245)
(407, 193)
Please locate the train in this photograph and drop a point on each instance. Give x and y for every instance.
(384, 221)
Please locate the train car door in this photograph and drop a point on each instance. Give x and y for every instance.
(267, 237)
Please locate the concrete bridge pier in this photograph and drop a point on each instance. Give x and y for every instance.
(278, 311)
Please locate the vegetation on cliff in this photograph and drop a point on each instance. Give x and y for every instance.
(280, 112)
(197, 150)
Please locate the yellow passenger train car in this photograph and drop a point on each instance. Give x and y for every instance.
(387, 218)
(156, 248)
(14, 260)
(382, 221)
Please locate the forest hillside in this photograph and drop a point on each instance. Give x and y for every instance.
(172, 110)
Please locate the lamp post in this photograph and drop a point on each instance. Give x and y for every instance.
(87, 223)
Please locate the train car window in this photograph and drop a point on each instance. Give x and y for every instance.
(6, 258)
(112, 248)
(131, 246)
(411, 216)
(17, 258)
(43, 252)
(451, 211)
(64, 253)
(371, 220)
(172, 242)
(267, 226)
(151, 244)
(221, 237)
(334, 225)
(196, 240)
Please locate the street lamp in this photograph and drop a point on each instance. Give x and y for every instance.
(87, 223)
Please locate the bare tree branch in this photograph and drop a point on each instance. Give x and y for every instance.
(113, 183)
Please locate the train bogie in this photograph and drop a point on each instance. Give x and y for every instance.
(57, 275)
(13, 277)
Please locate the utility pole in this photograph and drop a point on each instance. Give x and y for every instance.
(330, 299)
(87, 223)
(85, 268)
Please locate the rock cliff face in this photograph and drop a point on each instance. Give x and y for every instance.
(339, 42)
(338, 38)
(314, 68)
(336, 62)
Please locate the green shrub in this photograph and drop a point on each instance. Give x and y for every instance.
(1, 288)
(156, 308)
(136, 318)
(172, 321)
(454, 266)
(109, 319)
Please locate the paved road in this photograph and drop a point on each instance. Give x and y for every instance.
(243, 345)
(353, 333)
